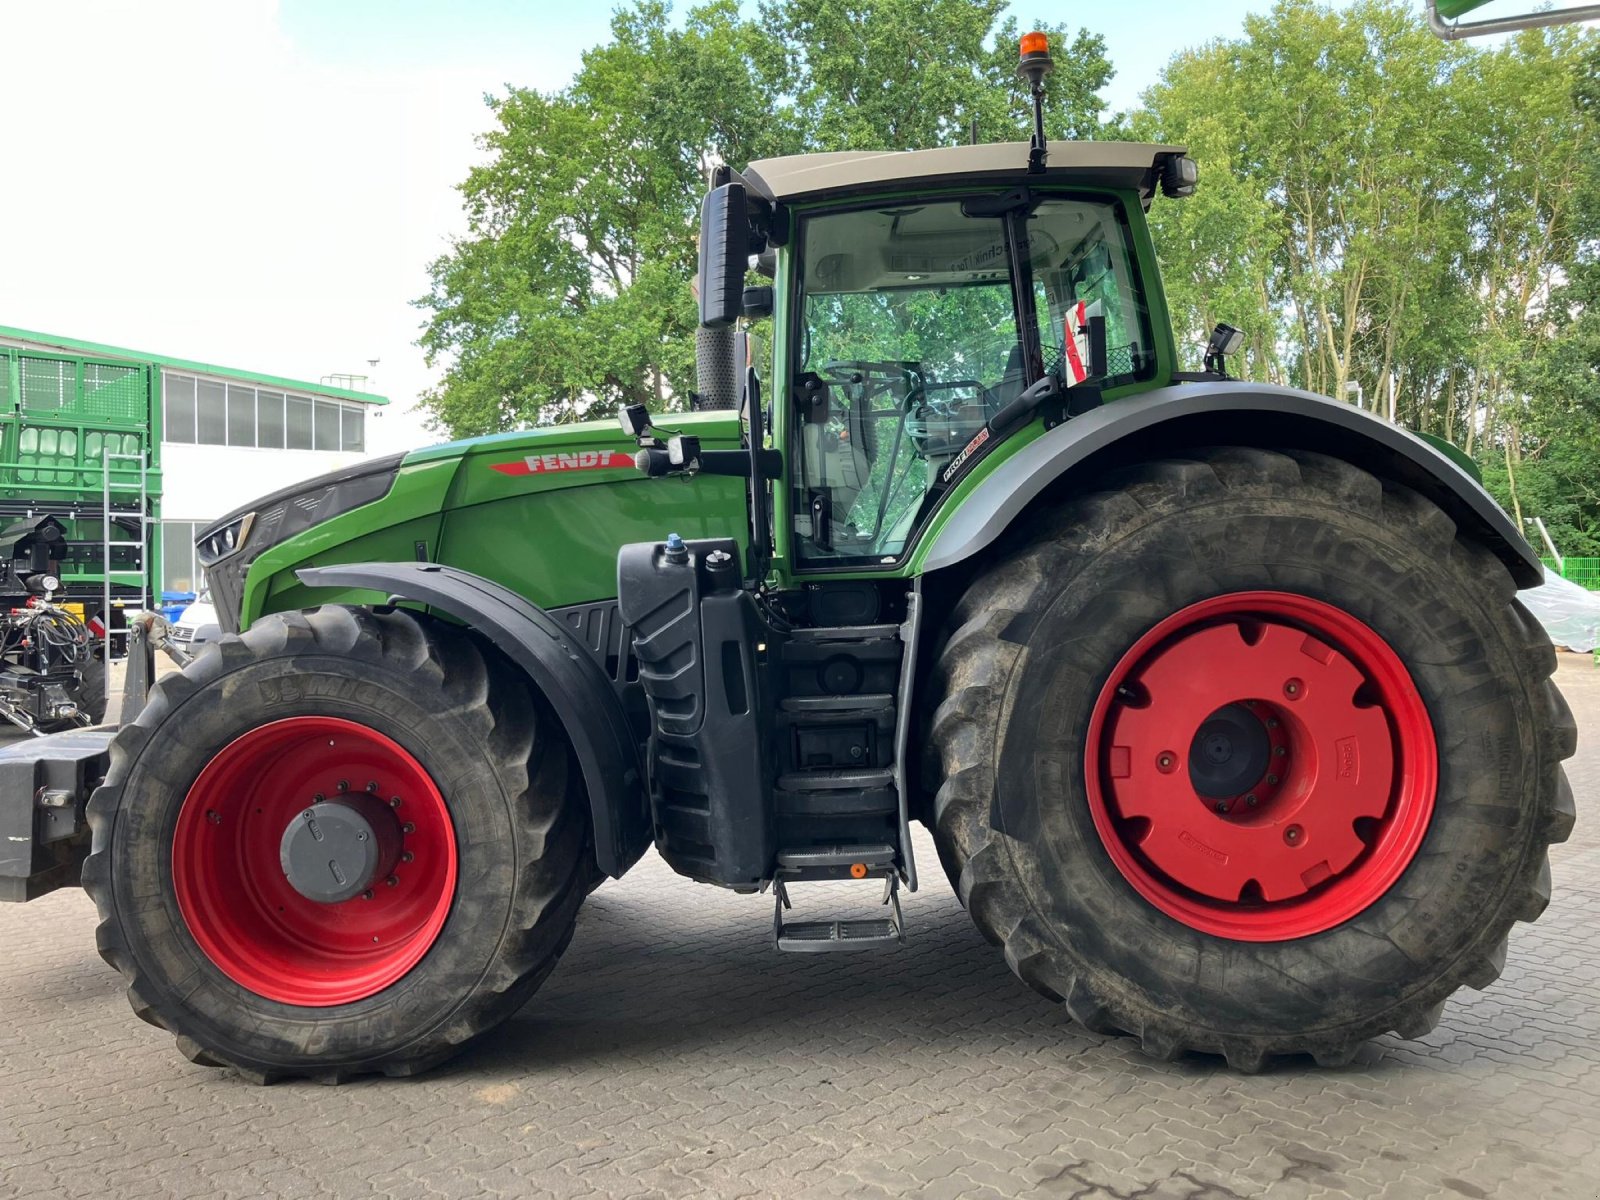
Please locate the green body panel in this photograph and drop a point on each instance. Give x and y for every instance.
(1459, 8)
(550, 534)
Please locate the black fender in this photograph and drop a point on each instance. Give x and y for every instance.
(1168, 420)
(567, 675)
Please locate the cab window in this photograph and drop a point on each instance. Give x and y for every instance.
(909, 344)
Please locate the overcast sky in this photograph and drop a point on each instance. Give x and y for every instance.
(261, 183)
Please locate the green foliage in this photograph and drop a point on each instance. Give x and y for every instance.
(569, 292)
(1387, 212)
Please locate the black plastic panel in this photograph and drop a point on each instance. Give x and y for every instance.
(695, 632)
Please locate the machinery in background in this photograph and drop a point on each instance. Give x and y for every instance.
(52, 670)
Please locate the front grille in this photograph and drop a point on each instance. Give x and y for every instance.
(226, 580)
(180, 634)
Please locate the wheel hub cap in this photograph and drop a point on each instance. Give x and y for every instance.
(1261, 766)
(334, 850)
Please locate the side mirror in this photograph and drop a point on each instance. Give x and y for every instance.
(724, 255)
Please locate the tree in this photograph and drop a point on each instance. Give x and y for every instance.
(910, 74)
(569, 294)
(570, 291)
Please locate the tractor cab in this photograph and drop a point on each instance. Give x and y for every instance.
(927, 306)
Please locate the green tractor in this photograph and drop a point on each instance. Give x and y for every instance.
(1216, 697)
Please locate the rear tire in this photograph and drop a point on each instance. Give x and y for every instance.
(250, 974)
(1050, 649)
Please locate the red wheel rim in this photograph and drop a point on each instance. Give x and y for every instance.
(241, 908)
(1327, 825)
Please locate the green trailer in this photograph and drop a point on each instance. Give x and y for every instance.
(80, 442)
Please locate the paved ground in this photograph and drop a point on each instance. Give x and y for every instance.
(674, 1054)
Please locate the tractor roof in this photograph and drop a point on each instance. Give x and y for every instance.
(1133, 165)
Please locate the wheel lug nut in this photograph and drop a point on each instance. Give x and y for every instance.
(1222, 806)
(372, 786)
(308, 814)
(344, 786)
(1272, 723)
(394, 801)
(1166, 761)
(408, 827)
(318, 798)
(1293, 688)
(367, 895)
(1272, 779)
(1281, 750)
(1251, 800)
(407, 856)
(214, 816)
(1293, 834)
(392, 880)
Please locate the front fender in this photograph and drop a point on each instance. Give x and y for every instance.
(564, 672)
(1168, 420)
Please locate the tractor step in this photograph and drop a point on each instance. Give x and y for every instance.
(837, 863)
(814, 937)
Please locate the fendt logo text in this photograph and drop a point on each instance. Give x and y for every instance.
(576, 460)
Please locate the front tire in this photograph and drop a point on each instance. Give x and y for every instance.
(423, 751)
(1107, 688)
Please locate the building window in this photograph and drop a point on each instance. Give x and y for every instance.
(200, 411)
(241, 415)
(211, 414)
(269, 419)
(179, 570)
(179, 393)
(299, 423)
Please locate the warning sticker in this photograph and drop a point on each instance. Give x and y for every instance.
(572, 460)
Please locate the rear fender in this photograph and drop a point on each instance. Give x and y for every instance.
(568, 677)
(1167, 421)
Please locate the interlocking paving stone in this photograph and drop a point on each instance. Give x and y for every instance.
(675, 1054)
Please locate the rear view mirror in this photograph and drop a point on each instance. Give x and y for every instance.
(724, 255)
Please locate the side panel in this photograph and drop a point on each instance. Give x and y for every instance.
(541, 512)
(559, 546)
(1166, 421)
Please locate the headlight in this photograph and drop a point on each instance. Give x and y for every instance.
(216, 544)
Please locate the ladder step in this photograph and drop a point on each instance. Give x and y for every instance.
(878, 933)
(818, 705)
(847, 633)
(836, 856)
(874, 802)
(837, 779)
(871, 933)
